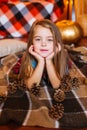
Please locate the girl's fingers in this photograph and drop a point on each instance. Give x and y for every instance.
(50, 56)
(31, 49)
(32, 52)
(59, 47)
(57, 50)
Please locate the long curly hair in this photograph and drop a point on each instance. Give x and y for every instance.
(59, 59)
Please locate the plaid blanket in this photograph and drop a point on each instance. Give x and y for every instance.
(27, 109)
(17, 18)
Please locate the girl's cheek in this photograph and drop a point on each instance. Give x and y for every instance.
(52, 49)
(35, 48)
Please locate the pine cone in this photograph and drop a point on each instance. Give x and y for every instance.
(59, 95)
(14, 84)
(67, 78)
(75, 82)
(12, 87)
(35, 90)
(56, 111)
(66, 83)
(21, 84)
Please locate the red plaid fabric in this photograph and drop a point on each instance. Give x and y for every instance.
(17, 18)
(3, 1)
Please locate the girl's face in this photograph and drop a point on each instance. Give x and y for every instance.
(43, 41)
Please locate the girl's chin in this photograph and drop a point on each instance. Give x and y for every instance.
(45, 55)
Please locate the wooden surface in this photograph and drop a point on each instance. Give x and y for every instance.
(12, 127)
(36, 128)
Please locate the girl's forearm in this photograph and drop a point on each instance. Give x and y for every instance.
(36, 76)
(52, 74)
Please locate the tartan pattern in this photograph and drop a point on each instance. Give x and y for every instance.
(26, 109)
(17, 18)
(23, 108)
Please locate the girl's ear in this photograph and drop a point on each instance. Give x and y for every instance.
(59, 47)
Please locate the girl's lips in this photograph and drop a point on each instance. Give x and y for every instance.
(43, 50)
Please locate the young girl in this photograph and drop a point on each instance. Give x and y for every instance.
(44, 65)
(45, 53)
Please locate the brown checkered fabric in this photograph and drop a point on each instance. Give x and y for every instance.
(26, 109)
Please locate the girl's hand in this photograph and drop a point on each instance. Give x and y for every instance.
(36, 55)
(50, 57)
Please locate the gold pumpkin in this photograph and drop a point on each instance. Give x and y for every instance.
(71, 31)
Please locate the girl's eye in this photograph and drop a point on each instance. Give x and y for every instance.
(50, 40)
(37, 39)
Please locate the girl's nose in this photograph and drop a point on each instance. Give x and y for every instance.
(43, 43)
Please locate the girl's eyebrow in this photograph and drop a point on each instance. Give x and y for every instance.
(50, 36)
(37, 36)
(40, 36)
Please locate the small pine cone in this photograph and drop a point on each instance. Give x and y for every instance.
(21, 84)
(66, 87)
(56, 111)
(67, 78)
(75, 82)
(66, 83)
(12, 87)
(59, 95)
(35, 90)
